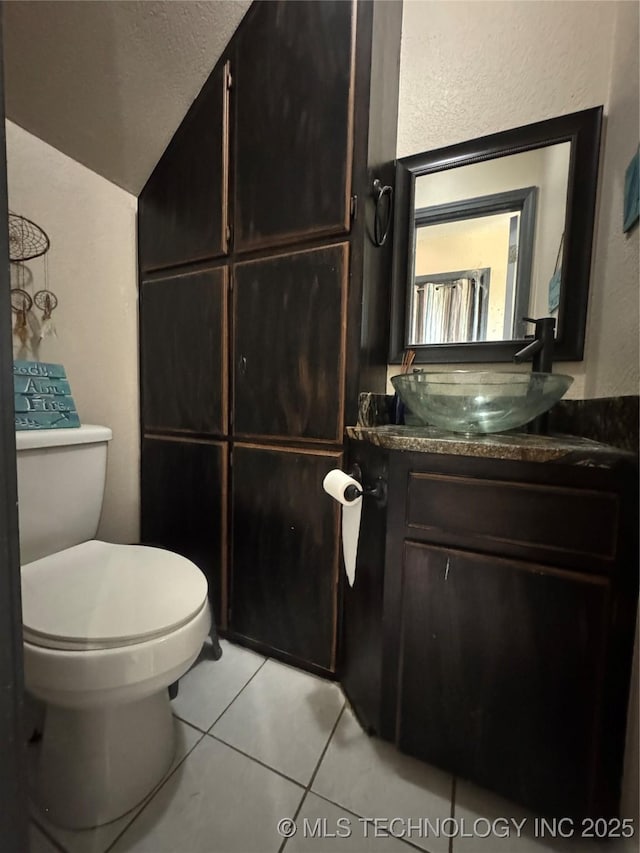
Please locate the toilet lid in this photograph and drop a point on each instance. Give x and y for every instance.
(98, 595)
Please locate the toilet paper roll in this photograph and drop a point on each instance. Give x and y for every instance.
(336, 484)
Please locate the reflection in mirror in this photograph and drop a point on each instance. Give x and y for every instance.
(499, 223)
(492, 230)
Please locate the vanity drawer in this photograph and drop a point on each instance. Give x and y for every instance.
(572, 526)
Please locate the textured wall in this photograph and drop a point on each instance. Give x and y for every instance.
(612, 357)
(92, 269)
(108, 83)
(476, 67)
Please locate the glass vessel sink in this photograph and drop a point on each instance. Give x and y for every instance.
(475, 402)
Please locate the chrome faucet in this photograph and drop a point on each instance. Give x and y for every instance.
(540, 351)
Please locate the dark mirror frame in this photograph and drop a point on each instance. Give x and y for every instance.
(583, 130)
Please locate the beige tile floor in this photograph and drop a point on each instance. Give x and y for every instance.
(259, 742)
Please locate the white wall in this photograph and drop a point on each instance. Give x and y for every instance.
(92, 269)
(475, 67)
(612, 355)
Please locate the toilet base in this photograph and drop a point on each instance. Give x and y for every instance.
(96, 764)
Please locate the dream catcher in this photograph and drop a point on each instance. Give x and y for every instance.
(28, 241)
(21, 304)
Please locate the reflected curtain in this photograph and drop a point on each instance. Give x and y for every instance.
(448, 311)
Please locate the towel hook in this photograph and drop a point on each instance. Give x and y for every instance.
(380, 230)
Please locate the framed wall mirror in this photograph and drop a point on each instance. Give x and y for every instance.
(493, 230)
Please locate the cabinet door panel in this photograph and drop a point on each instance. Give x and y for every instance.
(184, 506)
(294, 124)
(289, 344)
(285, 552)
(500, 673)
(183, 207)
(184, 352)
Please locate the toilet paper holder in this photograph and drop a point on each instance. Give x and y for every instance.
(378, 491)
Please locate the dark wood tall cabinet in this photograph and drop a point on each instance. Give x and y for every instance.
(294, 123)
(264, 311)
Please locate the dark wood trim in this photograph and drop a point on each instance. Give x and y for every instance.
(280, 442)
(226, 95)
(583, 130)
(225, 363)
(185, 440)
(183, 268)
(346, 223)
(277, 654)
(224, 539)
(187, 434)
(13, 789)
(296, 440)
(290, 448)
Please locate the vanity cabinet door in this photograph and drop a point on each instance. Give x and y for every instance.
(500, 673)
(182, 212)
(184, 352)
(184, 506)
(285, 552)
(289, 348)
(293, 100)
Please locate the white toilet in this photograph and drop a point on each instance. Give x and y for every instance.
(107, 628)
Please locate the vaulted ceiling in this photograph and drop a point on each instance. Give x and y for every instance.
(107, 82)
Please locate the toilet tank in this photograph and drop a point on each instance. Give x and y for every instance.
(61, 476)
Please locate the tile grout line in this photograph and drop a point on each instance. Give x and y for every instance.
(342, 808)
(152, 795)
(326, 746)
(350, 811)
(255, 760)
(191, 725)
(242, 689)
(315, 772)
(224, 710)
(203, 734)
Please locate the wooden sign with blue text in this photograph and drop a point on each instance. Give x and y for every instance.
(42, 396)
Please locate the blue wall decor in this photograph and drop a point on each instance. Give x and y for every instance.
(631, 211)
(42, 396)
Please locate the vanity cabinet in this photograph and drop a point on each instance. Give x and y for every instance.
(264, 303)
(499, 673)
(505, 607)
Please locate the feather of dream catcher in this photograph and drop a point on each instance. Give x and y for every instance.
(26, 242)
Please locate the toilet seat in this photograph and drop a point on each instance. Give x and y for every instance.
(98, 595)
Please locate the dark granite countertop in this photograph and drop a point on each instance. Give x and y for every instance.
(567, 449)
